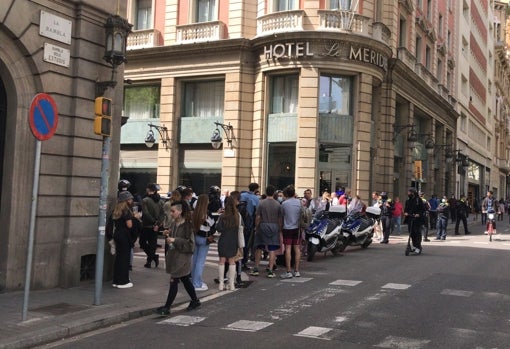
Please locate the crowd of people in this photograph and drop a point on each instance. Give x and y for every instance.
(248, 226)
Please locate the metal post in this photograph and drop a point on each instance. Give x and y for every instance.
(33, 213)
(103, 195)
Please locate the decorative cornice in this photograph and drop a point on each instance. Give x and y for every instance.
(407, 4)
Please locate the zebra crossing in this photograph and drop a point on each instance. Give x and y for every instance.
(330, 328)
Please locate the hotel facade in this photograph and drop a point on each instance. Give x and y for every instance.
(320, 94)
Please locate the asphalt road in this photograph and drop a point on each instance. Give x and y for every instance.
(455, 295)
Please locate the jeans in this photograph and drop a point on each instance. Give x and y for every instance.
(442, 224)
(397, 221)
(198, 262)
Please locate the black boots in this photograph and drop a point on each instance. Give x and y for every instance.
(149, 261)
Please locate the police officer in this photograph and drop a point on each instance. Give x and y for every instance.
(415, 213)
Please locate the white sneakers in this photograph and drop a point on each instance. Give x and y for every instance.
(128, 285)
(203, 287)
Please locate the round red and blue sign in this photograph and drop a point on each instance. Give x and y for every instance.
(43, 116)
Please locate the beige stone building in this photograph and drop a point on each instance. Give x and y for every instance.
(319, 93)
(56, 48)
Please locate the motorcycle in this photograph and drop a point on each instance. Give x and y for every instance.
(323, 234)
(358, 228)
(491, 223)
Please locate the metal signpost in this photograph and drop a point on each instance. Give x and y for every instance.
(43, 121)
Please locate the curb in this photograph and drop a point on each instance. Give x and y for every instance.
(74, 328)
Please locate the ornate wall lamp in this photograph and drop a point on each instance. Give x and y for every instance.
(412, 137)
(163, 135)
(216, 138)
(461, 159)
(117, 30)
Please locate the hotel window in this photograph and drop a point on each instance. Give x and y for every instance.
(335, 95)
(339, 4)
(205, 11)
(440, 71)
(284, 94)
(428, 57)
(402, 31)
(285, 5)
(429, 10)
(418, 49)
(143, 14)
(440, 26)
(204, 99)
(142, 102)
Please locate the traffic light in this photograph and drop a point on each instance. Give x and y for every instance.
(103, 119)
(418, 169)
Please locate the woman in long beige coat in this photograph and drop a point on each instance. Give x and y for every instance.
(181, 242)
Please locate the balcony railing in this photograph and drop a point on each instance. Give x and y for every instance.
(407, 57)
(201, 32)
(344, 20)
(278, 22)
(143, 39)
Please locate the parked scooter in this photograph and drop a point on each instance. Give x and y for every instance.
(324, 234)
(358, 228)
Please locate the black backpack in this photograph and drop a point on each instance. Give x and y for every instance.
(248, 220)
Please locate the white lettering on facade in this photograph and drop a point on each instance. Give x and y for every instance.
(368, 55)
(289, 49)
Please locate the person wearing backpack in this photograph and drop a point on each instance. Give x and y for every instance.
(251, 201)
(153, 216)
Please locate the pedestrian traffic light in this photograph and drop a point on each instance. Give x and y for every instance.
(103, 119)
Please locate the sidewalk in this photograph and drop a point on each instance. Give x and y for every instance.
(58, 313)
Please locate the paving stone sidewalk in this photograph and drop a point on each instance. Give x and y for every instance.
(59, 313)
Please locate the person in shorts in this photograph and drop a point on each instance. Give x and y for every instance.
(291, 213)
(268, 219)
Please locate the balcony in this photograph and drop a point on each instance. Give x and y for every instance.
(201, 32)
(407, 57)
(279, 22)
(345, 21)
(143, 39)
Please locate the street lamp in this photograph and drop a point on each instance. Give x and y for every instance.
(163, 135)
(412, 137)
(216, 139)
(116, 31)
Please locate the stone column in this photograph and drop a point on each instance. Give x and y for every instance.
(306, 148)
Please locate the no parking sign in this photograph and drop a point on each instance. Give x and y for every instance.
(43, 116)
(43, 120)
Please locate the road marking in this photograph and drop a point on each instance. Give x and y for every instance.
(314, 332)
(458, 293)
(248, 326)
(481, 242)
(297, 279)
(182, 320)
(341, 319)
(396, 286)
(402, 343)
(345, 283)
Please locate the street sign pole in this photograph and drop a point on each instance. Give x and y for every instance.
(33, 211)
(43, 122)
(103, 195)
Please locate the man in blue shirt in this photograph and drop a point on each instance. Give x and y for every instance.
(251, 201)
(434, 204)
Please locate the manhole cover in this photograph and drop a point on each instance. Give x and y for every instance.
(60, 309)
